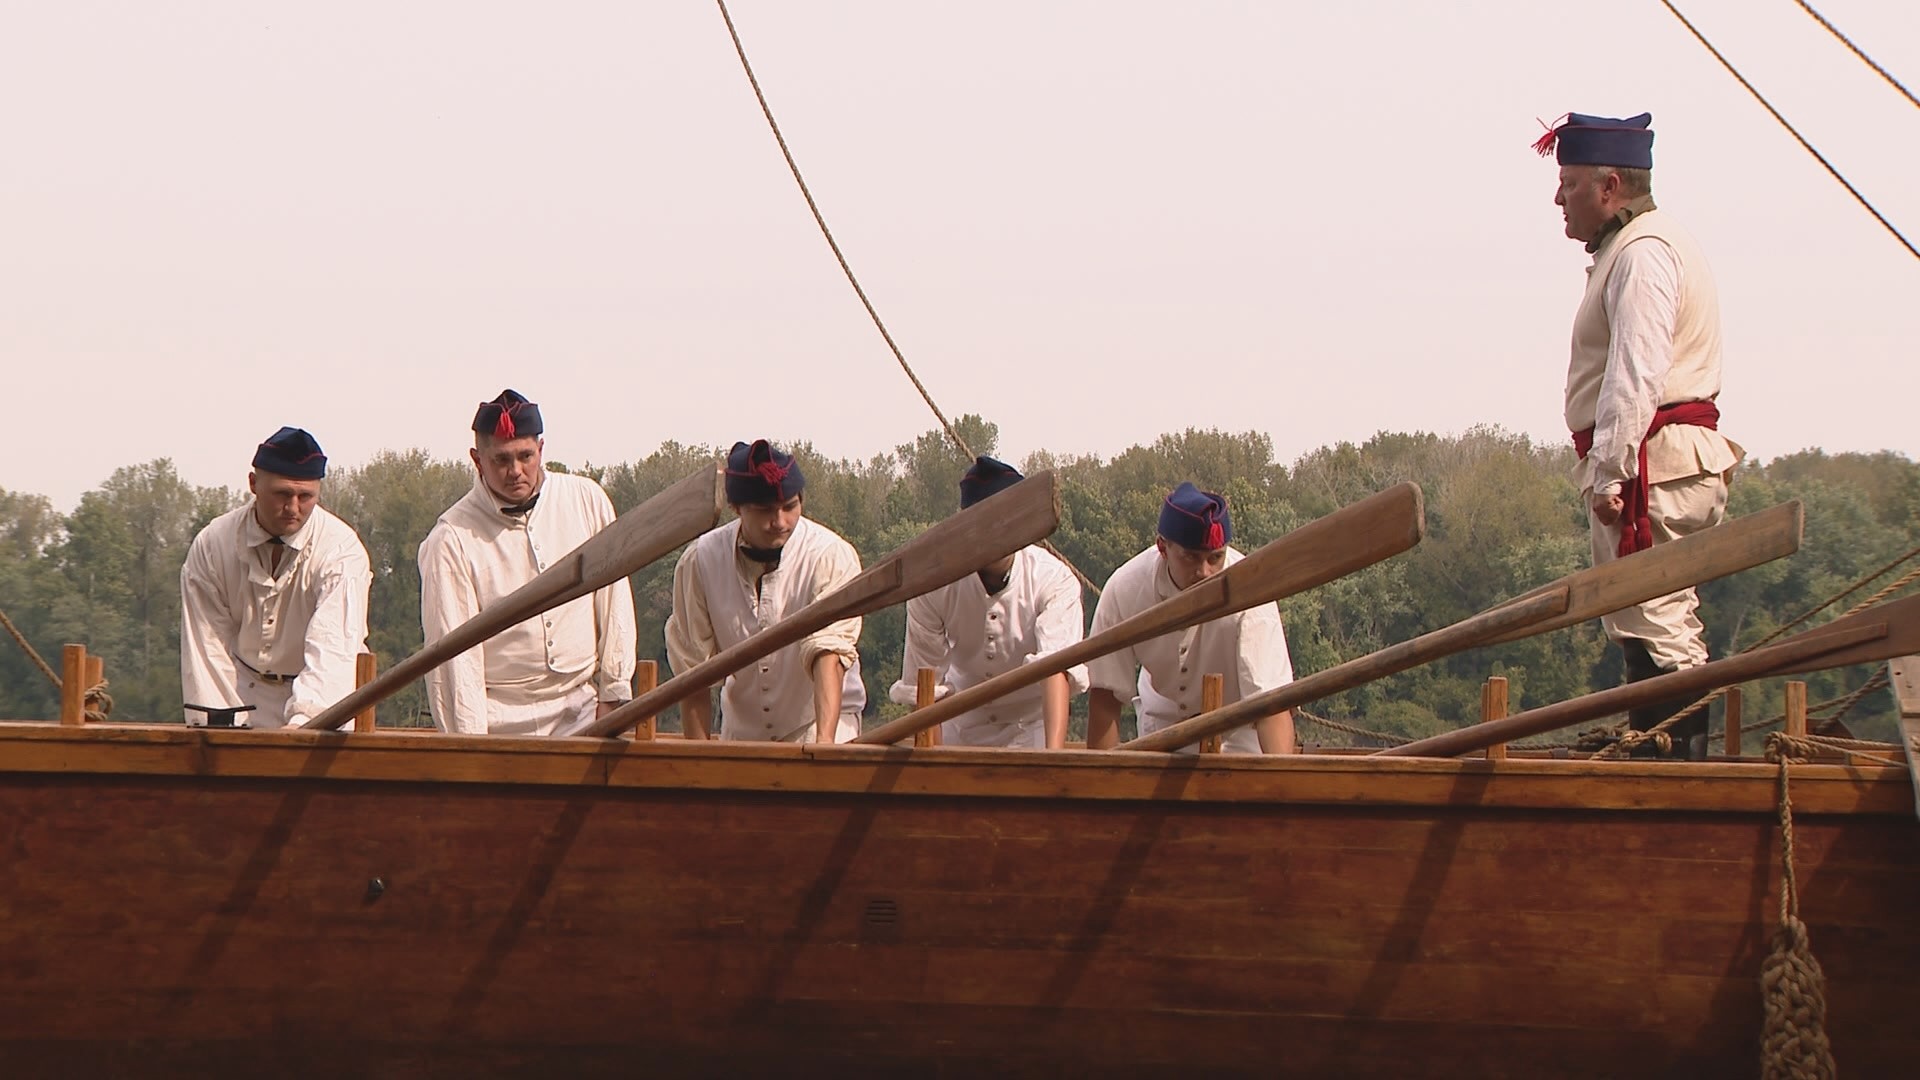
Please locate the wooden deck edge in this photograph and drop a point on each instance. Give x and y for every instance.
(1541, 784)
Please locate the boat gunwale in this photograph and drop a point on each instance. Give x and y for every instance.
(1739, 787)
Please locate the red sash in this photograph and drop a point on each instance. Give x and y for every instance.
(1636, 528)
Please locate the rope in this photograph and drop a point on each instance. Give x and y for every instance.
(1848, 42)
(99, 703)
(1627, 740)
(26, 647)
(1801, 139)
(1793, 1027)
(1349, 729)
(820, 219)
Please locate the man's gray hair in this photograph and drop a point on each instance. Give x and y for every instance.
(1634, 183)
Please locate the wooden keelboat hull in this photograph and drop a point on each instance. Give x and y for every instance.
(181, 902)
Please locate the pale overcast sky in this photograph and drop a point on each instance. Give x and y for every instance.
(1091, 222)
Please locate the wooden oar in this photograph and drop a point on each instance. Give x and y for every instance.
(1346, 540)
(976, 537)
(1712, 553)
(636, 538)
(1878, 633)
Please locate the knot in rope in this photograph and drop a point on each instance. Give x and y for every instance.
(1793, 990)
(1793, 1030)
(1628, 740)
(99, 703)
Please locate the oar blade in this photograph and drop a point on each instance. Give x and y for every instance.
(1740, 544)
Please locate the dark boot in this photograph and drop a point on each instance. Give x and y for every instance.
(1686, 747)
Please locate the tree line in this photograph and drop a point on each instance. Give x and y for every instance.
(1502, 517)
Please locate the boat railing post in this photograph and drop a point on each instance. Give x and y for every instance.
(1731, 714)
(1213, 695)
(364, 667)
(1796, 725)
(96, 676)
(925, 692)
(646, 676)
(1493, 706)
(73, 685)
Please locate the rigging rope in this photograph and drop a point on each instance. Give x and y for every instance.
(1657, 734)
(26, 647)
(1801, 139)
(1857, 51)
(819, 219)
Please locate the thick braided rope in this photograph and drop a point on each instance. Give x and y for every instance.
(1793, 1027)
(820, 219)
(1349, 729)
(99, 703)
(27, 647)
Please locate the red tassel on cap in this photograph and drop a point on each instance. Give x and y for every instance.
(1216, 536)
(772, 472)
(503, 428)
(1544, 144)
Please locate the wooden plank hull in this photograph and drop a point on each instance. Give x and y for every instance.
(180, 901)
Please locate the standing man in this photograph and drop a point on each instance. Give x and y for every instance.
(1640, 390)
(1248, 648)
(746, 575)
(273, 595)
(1024, 606)
(553, 673)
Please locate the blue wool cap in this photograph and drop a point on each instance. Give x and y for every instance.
(986, 477)
(1196, 519)
(509, 416)
(291, 452)
(758, 474)
(1601, 140)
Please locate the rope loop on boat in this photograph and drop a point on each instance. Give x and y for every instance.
(99, 703)
(1793, 989)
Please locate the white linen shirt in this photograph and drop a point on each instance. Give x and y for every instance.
(967, 637)
(1249, 649)
(477, 555)
(1642, 299)
(309, 621)
(717, 604)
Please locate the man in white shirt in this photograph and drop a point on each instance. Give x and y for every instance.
(1023, 607)
(273, 595)
(551, 674)
(1248, 649)
(1641, 384)
(747, 575)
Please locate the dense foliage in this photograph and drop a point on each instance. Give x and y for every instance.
(1502, 517)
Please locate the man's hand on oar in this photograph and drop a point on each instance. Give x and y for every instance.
(1346, 540)
(635, 539)
(975, 537)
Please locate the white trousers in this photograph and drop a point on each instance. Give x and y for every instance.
(1668, 624)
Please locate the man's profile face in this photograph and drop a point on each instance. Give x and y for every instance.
(511, 468)
(1583, 198)
(281, 503)
(768, 525)
(1190, 566)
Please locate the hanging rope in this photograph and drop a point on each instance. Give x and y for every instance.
(1801, 139)
(1793, 990)
(27, 647)
(1349, 729)
(1857, 51)
(819, 219)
